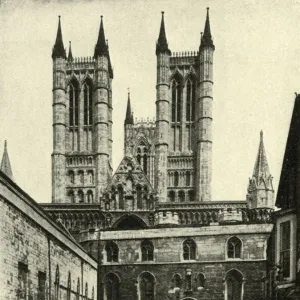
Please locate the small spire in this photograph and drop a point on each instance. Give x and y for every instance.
(206, 38)
(261, 167)
(162, 43)
(58, 48)
(70, 56)
(129, 114)
(5, 163)
(101, 46)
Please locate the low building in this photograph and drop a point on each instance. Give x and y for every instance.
(39, 258)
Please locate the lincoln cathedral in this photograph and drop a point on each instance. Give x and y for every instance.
(150, 230)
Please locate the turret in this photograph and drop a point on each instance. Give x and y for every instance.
(162, 113)
(110, 107)
(5, 163)
(128, 124)
(260, 187)
(59, 118)
(101, 123)
(70, 55)
(204, 114)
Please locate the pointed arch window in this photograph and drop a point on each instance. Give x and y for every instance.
(188, 178)
(176, 178)
(78, 289)
(176, 101)
(139, 196)
(189, 249)
(111, 287)
(181, 196)
(234, 247)
(177, 282)
(121, 197)
(81, 176)
(73, 103)
(233, 285)
(112, 252)
(71, 197)
(56, 284)
(147, 250)
(88, 103)
(90, 197)
(80, 196)
(146, 286)
(172, 196)
(71, 177)
(200, 281)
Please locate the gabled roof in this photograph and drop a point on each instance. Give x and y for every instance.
(290, 165)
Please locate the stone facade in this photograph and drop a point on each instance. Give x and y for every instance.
(152, 225)
(39, 258)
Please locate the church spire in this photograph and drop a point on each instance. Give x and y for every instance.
(58, 48)
(70, 56)
(129, 114)
(5, 163)
(206, 38)
(101, 46)
(261, 167)
(260, 187)
(162, 43)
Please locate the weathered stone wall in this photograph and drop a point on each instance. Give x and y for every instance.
(28, 237)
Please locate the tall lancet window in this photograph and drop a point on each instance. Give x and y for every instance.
(73, 103)
(190, 100)
(176, 101)
(88, 103)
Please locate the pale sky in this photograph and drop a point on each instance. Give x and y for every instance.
(256, 75)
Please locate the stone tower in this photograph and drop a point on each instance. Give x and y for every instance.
(204, 114)
(260, 187)
(162, 113)
(82, 122)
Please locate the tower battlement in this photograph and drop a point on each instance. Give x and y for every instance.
(80, 63)
(144, 122)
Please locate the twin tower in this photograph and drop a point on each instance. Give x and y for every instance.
(175, 151)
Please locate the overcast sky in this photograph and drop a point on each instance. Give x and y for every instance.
(256, 75)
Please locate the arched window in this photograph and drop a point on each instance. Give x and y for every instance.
(147, 250)
(78, 289)
(176, 101)
(111, 287)
(177, 281)
(172, 196)
(88, 103)
(189, 249)
(80, 196)
(81, 177)
(71, 177)
(233, 285)
(112, 252)
(90, 177)
(56, 284)
(145, 158)
(146, 286)
(69, 287)
(73, 103)
(200, 281)
(181, 196)
(71, 197)
(188, 178)
(176, 178)
(190, 100)
(121, 197)
(234, 247)
(139, 196)
(90, 198)
(86, 291)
